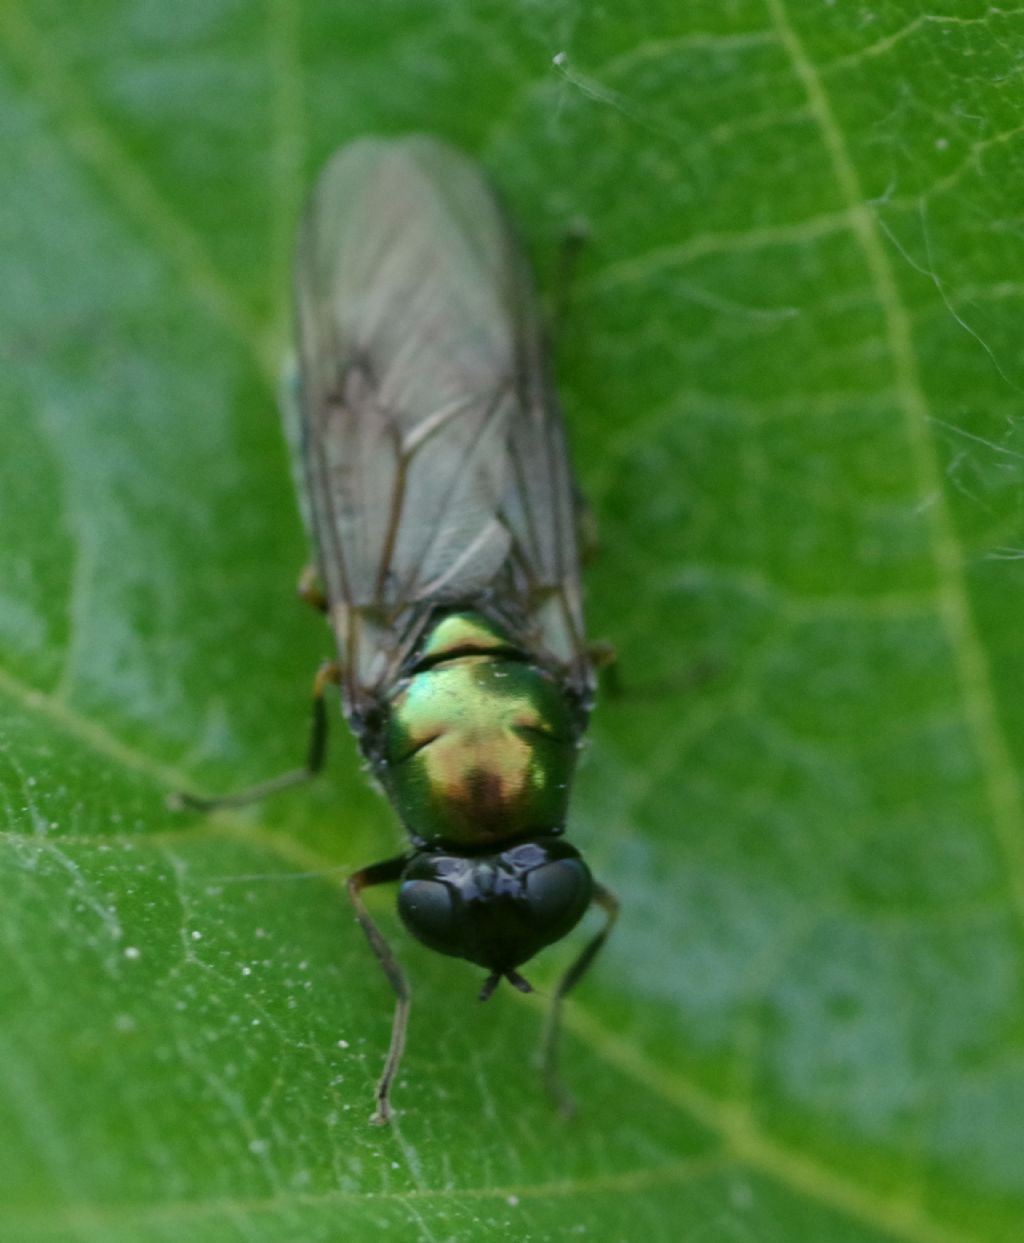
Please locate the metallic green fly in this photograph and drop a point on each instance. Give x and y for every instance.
(437, 487)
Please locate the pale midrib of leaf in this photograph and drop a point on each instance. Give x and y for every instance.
(743, 1141)
(953, 606)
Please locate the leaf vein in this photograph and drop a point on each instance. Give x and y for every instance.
(688, 1170)
(952, 602)
(892, 40)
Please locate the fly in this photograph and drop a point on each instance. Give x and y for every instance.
(436, 485)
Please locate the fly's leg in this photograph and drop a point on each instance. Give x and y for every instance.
(310, 590)
(328, 674)
(605, 659)
(603, 655)
(382, 874)
(552, 1029)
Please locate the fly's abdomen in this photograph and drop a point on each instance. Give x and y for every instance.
(480, 744)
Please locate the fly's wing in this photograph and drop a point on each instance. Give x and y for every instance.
(434, 457)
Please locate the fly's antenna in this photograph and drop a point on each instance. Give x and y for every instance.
(495, 978)
(517, 980)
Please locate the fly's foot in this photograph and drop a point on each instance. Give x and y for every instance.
(382, 1115)
(310, 590)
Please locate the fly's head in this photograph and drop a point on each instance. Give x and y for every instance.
(496, 909)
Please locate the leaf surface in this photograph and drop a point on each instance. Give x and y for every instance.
(792, 376)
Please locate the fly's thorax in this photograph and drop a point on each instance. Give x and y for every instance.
(479, 744)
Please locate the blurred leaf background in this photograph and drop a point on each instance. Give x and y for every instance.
(793, 377)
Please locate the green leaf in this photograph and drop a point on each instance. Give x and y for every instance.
(793, 378)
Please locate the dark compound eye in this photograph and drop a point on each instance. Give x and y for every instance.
(427, 910)
(557, 894)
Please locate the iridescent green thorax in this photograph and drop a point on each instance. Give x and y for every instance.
(460, 632)
(480, 744)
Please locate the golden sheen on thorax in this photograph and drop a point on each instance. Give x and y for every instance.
(480, 744)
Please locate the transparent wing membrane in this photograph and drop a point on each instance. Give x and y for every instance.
(433, 450)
